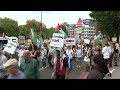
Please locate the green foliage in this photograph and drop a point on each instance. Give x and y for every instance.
(108, 22)
(10, 26)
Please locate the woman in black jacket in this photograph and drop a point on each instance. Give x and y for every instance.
(100, 68)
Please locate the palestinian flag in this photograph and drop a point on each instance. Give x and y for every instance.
(97, 39)
(34, 37)
(81, 38)
(59, 30)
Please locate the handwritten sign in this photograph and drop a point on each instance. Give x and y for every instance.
(57, 42)
(87, 41)
(10, 47)
(58, 35)
(114, 39)
(70, 41)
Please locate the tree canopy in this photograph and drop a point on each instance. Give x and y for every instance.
(10, 28)
(108, 22)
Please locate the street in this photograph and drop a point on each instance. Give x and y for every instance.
(74, 74)
(78, 73)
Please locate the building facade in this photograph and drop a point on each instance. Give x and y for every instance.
(88, 33)
(84, 28)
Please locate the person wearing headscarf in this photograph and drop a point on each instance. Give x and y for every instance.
(60, 64)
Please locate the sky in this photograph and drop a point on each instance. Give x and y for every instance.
(49, 18)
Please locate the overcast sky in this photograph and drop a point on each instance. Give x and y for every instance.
(49, 18)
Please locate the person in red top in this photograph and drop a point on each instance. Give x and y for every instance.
(61, 65)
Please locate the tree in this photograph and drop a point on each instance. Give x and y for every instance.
(51, 31)
(10, 26)
(108, 22)
(24, 31)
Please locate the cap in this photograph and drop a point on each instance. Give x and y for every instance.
(11, 62)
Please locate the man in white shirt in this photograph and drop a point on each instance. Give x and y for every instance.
(69, 52)
(106, 51)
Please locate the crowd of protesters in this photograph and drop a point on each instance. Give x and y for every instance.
(25, 62)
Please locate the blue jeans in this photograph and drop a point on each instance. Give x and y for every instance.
(79, 60)
(70, 65)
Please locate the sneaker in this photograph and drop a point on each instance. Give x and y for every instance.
(79, 66)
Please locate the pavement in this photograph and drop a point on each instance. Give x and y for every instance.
(77, 73)
(74, 74)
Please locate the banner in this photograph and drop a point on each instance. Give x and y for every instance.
(87, 41)
(70, 41)
(57, 42)
(10, 47)
(58, 35)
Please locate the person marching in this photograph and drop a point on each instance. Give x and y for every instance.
(79, 54)
(69, 52)
(60, 64)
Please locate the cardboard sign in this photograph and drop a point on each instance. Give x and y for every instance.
(10, 47)
(70, 41)
(58, 35)
(114, 39)
(57, 42)
(22, 39)
(87, 41)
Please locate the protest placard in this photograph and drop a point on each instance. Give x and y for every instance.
(10, 47)
(70, 41)
(87, 41)
(58, 35)
(57, 42)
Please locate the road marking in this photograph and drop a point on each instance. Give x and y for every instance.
(43, 68)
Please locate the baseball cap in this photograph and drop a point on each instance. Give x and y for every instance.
(11, 62)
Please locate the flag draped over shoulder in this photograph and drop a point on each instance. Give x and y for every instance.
(59, 30)
(34, 37)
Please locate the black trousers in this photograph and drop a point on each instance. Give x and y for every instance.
(49, 60)
(60, 76)
(110, 60)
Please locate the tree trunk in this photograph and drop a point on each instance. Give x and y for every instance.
(117, 38)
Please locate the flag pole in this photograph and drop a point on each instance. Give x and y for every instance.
(41, 31)
(41, 23)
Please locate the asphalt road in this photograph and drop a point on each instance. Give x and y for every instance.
(74, 74)
(77, 73)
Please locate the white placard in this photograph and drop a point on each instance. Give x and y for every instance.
(70, 41)
(57, 42)
(114, 39)
(58, 35)
(10, 47)
(87, 41)
(22, 39)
